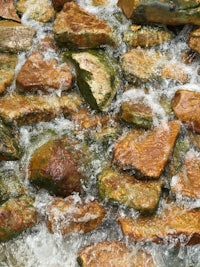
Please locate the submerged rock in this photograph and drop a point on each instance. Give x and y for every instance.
(8, 11)
(16, 215)
(174, 72)
(175, 225)
(74, 215)
(194, 40)
(147, 153)
(123, 188)
(75, 27)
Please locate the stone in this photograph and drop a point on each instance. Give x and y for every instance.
(146, 36)
(22, 110)
(74, 27)
(113, 253)
(194, 40)
(126, 189)
(7, 70)
(16, 215)
(174, 225)
(164, 12)
(38, 74)
(194, 139)
(99, 2)
(8, 32)
(147, 154)
(8, 11)
(58, 4)
(186, 107)
(187, 181)
(59, 165)
(97, 77)
(175, 72)
(74, 215)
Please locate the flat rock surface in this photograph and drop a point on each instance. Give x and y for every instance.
(8, 11)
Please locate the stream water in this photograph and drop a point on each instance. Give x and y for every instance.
(37, 247)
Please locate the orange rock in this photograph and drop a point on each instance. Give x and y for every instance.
(8, 11)
(194, 40)
(58, 4)
(175, 72)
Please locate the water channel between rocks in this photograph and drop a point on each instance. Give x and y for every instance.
(37, 247)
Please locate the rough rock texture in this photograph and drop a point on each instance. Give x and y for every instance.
(123, 188)
(8, 32)
(113, 253)
(44, 75)
(194, 139)
(97, 77)
(187, 182)
(31, 109)
(174, 72)
(8, 11)
(147, 153)
(174, 224)
(74, 215)
(58, 4)
(194, 40)
(75, 27)
(16, 215)
(186, 106)
(59, 165)
(165, 12)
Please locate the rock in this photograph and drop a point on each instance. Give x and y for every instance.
(174, 72)
(23, 110)
(7, 70)
(16, 215)
(97, 77)
(75, 27)
(194, 139)
(113, 253)
(99, 2)
(59, 166)
(123, 188)
(8, 11)
(194, 40)
(187, 182)
(147, 153)
(175, 225)
(43, 75)
(74, 215)
(146, 36)
(164, 12)
(8, 41)
(47, 43)
(58, 4)
(187, 108)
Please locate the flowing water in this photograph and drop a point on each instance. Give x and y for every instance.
(37, 247)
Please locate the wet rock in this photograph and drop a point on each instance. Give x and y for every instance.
(59, 166)
(22, 110)
(99, 2)
(47, 43)
(194, 139)
(74, 215)
(16, 215)
(113, 253)
(174, 72)
(175, 224)
(147, 153)
(8, 11)
(187, 182)
(58, 4)
(165, 12)
(186, 106)
(43, 75)
(7, 70)
(194, 40)
(8, 41)
(146, 36)
(75, 27)
(123, 188)
(97, 77)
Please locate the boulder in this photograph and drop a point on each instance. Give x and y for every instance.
(97, 77)
(113, 253)
(8, 11)
(125, 189)
(8, 32)
(38, 74)
(147, 154)
(23, 110)
(75, 27)
(175, 225)
(166, 12)
(7, 70)
(194, 40)
(74, 215)
(16, 215)
(187, 108)
(59, 165)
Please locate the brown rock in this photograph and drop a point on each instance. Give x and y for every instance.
(194, 139)
(174, 72)
(99, 2)
(186, 106)
(58, 4)
(174, 224)
(74, 27)
(74, 215)
(194, 40)
(148, 153)
(8, 11)
(45, 75)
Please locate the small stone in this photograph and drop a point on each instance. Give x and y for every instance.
(194, 40)
(8, 11)
(58, 4)
(174, 72)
